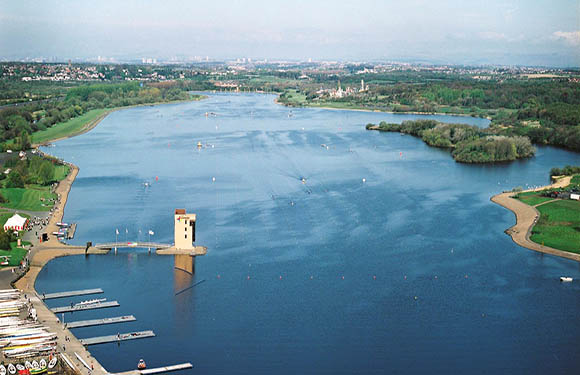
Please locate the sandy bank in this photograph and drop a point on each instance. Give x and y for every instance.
(526, 217)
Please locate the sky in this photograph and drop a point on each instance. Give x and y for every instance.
(504, 32)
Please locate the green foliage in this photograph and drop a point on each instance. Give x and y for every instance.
(5, 239)
(14, 180)
(16, 124)
(566, 171)
(469, 143)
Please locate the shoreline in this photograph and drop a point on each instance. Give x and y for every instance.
(381, 111)
(42, 253)
(526, 217)
(93, 124)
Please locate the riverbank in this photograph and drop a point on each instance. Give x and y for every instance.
(526, 218)
(40, 255)
(358, 109)
(92, 123)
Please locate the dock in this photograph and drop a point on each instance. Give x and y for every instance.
(158, 370)
(72, 293)
(117, 338)
(70, 233)
(74, 308)
(98, 322)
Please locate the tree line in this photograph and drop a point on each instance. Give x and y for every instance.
(469, 144)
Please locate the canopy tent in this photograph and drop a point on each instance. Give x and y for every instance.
(16, 222)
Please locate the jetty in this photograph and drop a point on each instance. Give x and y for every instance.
(120, 245)
(73, 308)
(158, 370)
(117, 338)
(98, 322)
(72, 293)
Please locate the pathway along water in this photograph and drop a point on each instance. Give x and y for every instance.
(407, 272)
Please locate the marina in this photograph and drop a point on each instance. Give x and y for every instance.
(117, 338)
(103, 321)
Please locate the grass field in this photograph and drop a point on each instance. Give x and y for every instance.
(16, 254)
(60, 172)
(28, 198)
(68, 128)
(532, 198)
(559, 225)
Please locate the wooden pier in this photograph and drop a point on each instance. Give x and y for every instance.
(74, 308)
(72, 293)
(117, 338)
(158, 370)
(70, 233)
(98, 322)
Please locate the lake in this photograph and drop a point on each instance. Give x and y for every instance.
(407, 272)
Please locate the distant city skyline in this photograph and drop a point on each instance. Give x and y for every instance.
(440, 32)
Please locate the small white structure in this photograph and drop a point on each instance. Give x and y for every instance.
(184, 230)
(16, 222)
(575, 196)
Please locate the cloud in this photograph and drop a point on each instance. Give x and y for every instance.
(570, 37)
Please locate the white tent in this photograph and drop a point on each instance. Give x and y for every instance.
(16, 222)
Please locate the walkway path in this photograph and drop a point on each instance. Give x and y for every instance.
(526, 218)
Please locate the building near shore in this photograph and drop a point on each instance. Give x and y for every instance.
(184, 230)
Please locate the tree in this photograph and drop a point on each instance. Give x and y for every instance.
(45, 174)
(14, 180)
(5, 239)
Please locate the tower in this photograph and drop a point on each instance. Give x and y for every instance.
(184, 230)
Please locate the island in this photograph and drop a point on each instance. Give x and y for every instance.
(469, 144)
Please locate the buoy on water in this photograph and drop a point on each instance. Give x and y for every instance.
(213, 179)
(364, 180)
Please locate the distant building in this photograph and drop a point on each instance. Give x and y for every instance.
(184, 230)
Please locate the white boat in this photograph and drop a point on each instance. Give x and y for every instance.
(19, 367)
(11, 369)
(35, 365)
(52, 362)
(2, 370)
(42, 363)
(28, 365)
(566, 279)
(91, 302)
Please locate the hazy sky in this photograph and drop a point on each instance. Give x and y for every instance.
(545, 32)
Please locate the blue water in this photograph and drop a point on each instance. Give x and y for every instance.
(409, 272)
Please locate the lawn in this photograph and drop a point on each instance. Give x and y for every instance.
(68, 128)
(28, 198)
(532, 198)
(16, 254)
(60, 172)
(559, 225)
